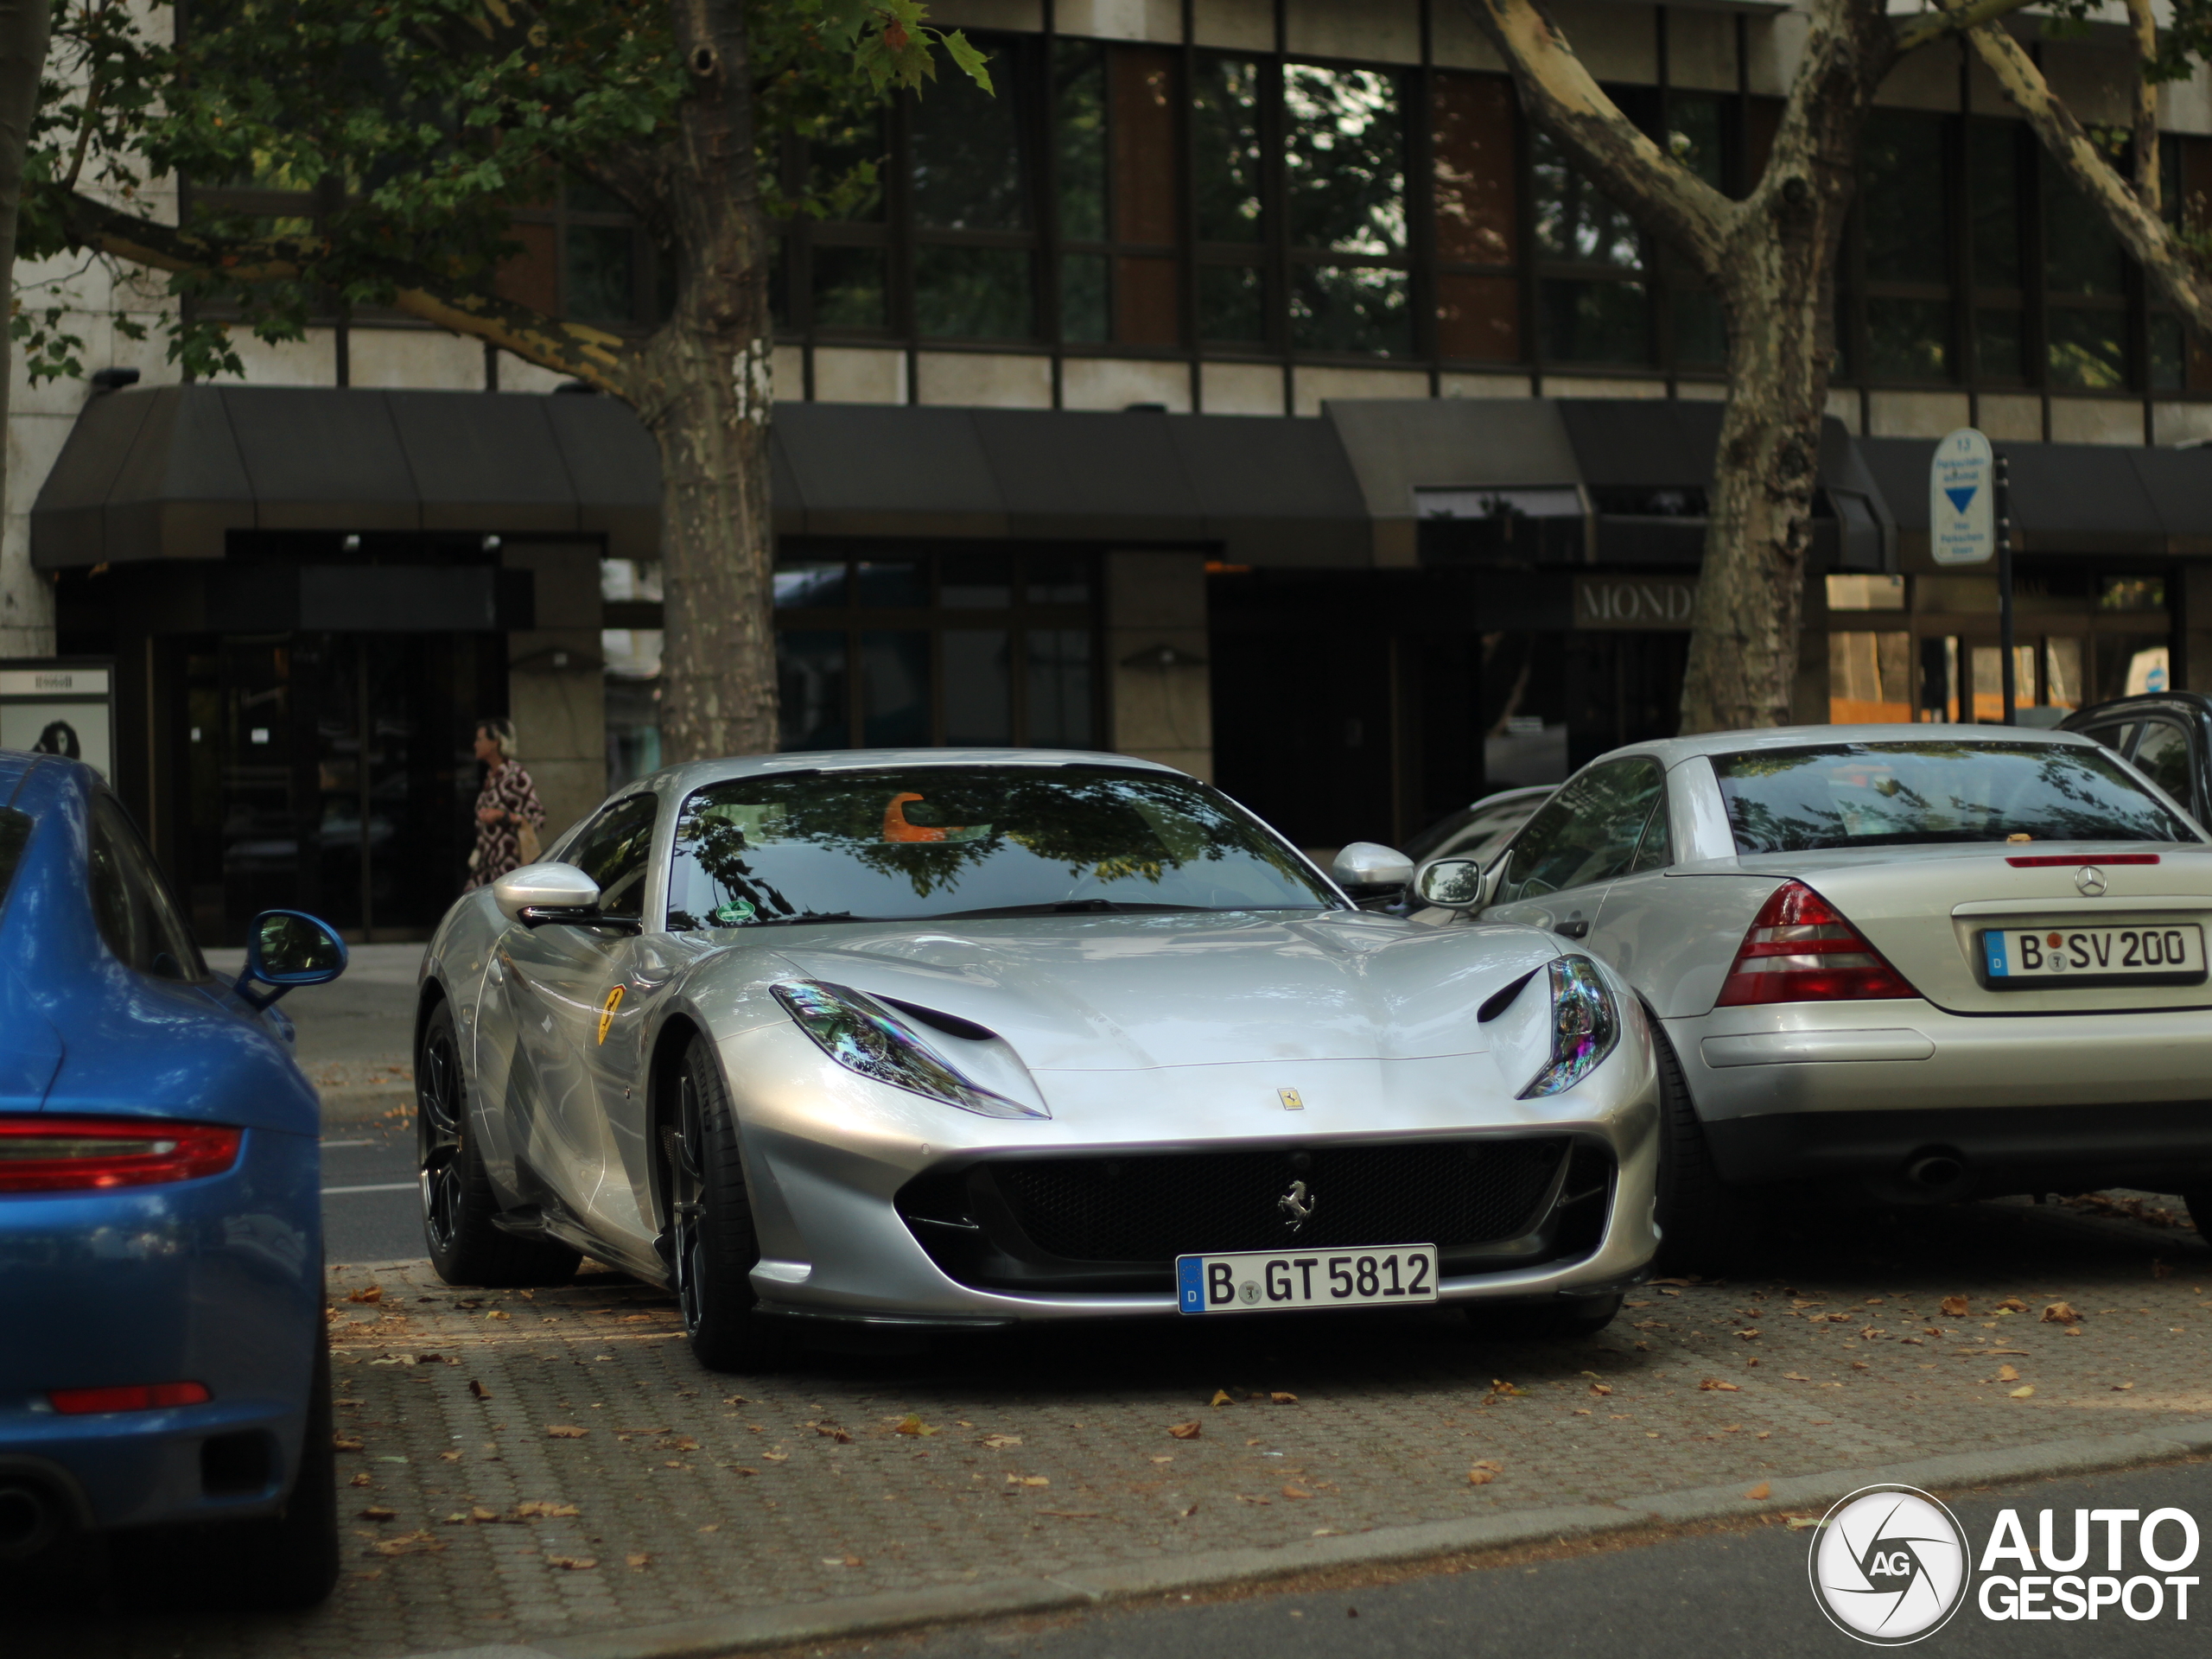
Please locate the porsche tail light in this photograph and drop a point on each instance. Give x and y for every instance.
(1799, 949)
(82, 1154)
(136, 1396)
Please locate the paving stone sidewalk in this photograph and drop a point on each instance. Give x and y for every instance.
(648, 1490)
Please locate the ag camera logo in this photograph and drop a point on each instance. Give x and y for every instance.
(1889, 1564)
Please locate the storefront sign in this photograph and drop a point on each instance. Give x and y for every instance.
(1646, 602)
(1961, 499)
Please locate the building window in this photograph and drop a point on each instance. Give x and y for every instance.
(1344, 206)
(899, 648)
(1592, 303)
(585, 257)
(1475, 165)
(1905, 247)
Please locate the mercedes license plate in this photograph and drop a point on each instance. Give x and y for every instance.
(2019, 957)
(1260, 1282)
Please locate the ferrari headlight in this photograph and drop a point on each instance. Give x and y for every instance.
(1586, 1026)
(863, 1035)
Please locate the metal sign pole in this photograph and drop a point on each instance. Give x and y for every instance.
(2004, 505)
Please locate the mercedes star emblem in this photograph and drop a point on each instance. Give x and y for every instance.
(2091, 880)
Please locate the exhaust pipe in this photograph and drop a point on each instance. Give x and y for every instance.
(1935, 1170)
(28, 1521)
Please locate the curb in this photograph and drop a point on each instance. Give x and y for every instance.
(776, 1627)
(365, 1103)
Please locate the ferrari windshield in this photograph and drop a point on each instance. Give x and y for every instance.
(1898, 794)
(900, 842)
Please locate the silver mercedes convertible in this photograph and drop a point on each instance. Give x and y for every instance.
(960, 1039)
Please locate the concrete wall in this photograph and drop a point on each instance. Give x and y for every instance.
(554, 692)
(1160, 706)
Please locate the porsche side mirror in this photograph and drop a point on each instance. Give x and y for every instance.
(1452, 884)
(1371, 872)
(285, 948)
(551, 891)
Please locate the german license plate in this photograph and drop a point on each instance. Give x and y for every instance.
(1263, 1282)
(2018, 958)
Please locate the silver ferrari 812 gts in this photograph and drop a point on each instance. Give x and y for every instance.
(948, 1039)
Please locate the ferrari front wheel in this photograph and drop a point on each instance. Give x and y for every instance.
(707, 1238)
(460, 1208)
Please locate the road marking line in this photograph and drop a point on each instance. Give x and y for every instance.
(388, 1186)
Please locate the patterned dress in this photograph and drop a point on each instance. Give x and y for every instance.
(506, 786)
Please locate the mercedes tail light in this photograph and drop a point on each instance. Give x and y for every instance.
(41, 1153)
(1799, 949)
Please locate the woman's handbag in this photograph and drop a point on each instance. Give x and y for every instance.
(527, 846)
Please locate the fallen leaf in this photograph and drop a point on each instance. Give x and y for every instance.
(2060, 1313)
(359, 1480)
(740, 1468)
(776, 1455)
(344, 1443)
(1954, 1308)
(2121, 1388)
(1763, 1490)
(501, 1314)
(1296, 1492)
(1164, 1457)
(911, 1424)
(1280, 1398)
(2006, 1374)
(1796, 1377)
(1798, 1522)
(2073, 1330)
(1241, 1498)
(478, 1389)
(1183, 1431)
(731, 1400)
(573, 1563)
(1028, 1480)
(1714, 1382)
(1498, 1386)
(1220, 1398)
(639, 1559)
(2012, 1305)
(1692, 1280)
(831, 1432)
(378, 1512)
(1747, 1335)
(373, 1293)
(1484, 1473)
(1000, 1442)
(544, 1508)
(681, 1443)
(449, 1457)
(712, 1526)
(2023, 1392)
(566, 1432)
(1601, 1387)
(419, 1542)
(635, 1318)
(1669, 1290)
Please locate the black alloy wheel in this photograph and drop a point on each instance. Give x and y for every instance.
(461, 1208)
(707, 1237)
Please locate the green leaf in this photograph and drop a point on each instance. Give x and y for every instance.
(968, 60)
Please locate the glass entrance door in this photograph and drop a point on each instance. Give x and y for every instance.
(332, 772)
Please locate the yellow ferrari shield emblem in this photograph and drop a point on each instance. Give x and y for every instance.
(606, 1014)
(1290, 1102)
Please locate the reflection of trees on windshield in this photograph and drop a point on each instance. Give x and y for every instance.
(1892, 794)
(741, 846)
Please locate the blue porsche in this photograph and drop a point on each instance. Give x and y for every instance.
(164, 1371)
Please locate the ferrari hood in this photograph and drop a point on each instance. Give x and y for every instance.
(1122, 993)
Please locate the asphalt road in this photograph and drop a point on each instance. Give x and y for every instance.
(1735, 1591)
(370, 1210)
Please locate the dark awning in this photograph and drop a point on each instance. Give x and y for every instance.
(1267, 490)
(2070, 498)
(165, 473)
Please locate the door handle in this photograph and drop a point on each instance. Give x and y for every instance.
(1573, 928)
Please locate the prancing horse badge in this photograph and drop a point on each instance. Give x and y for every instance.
(1290, 1102)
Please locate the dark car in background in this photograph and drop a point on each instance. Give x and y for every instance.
(2168, 737)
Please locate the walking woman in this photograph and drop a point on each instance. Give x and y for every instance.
(508, 815)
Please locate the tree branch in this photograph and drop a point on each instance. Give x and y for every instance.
(2148, 238)
(605, 359)
(1568, 103)
(1950, 20)
(2146, 104)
